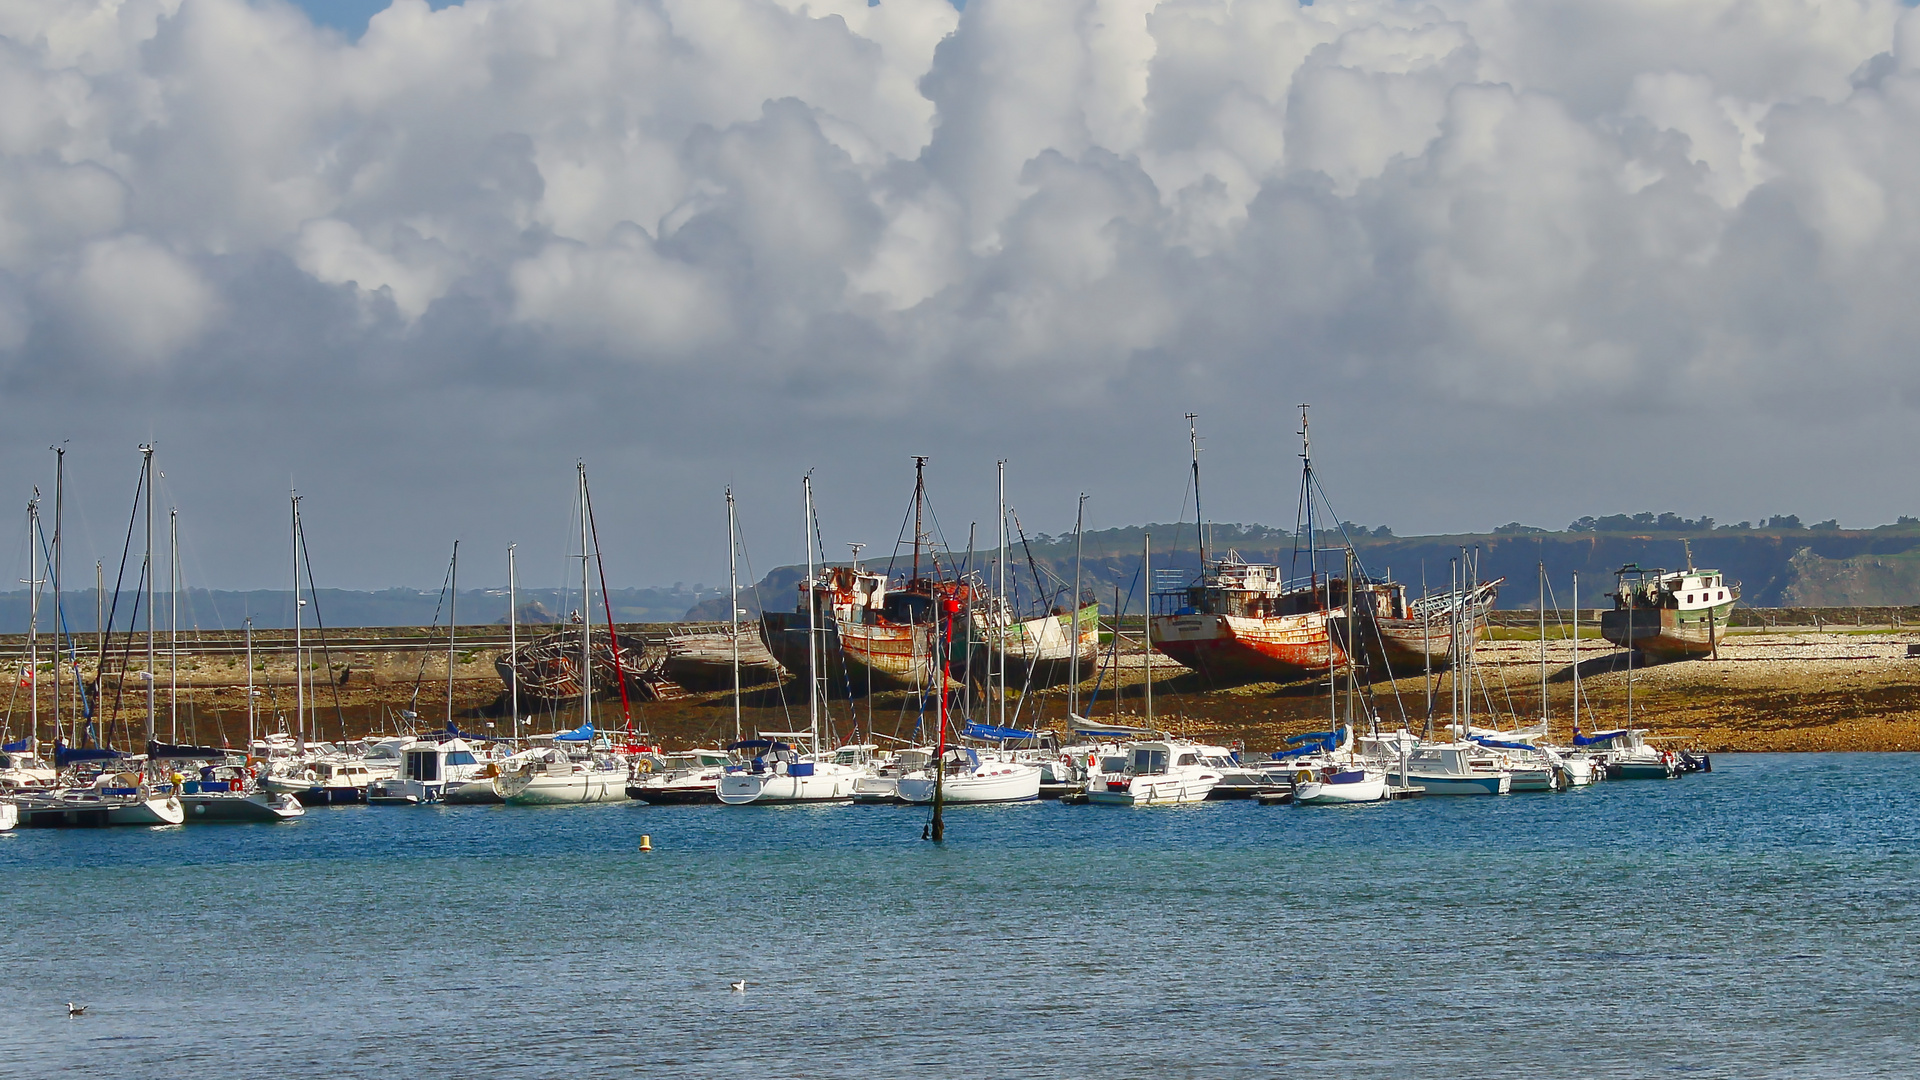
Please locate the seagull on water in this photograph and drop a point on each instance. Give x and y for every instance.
(738, 987)
(76, 1010)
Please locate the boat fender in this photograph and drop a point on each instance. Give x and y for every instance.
(1304, 776)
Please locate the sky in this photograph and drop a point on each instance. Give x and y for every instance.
(1527, 261)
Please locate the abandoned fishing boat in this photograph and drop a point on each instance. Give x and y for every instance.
(1671, 614)
(546, 671)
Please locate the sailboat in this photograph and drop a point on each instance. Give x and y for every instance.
(1347, 777)
(788, 766)
(551, 775)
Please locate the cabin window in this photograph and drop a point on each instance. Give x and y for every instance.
(1189, 759)
(1149, 762)
(460, 757)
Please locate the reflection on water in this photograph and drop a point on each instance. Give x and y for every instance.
(1758, 921)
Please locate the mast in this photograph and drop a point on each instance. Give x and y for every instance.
(59, 613)
(938, 827)
(1633, 599)
(250, 705)
(1006, 606)
(299, 655)
(1576, 654)
(1306, 493)
(453, 623)
(813, 613)
(919, 497)
(1543, 648)
(33, 606)
(1426, 642)
(1146, 621)
(1073, 636)
(586, 610)
(733, 608)
(173, 624)
(513, 641)
(1199, 522)
(146, 469)
(99, 637)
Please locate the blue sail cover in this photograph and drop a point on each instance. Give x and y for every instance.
(994, 732)
(1323, 741)
(583, 733)
(159, 751)
(17, 747)
(62, 756)
(1596, 740)
(1498, 745)
(758, 744)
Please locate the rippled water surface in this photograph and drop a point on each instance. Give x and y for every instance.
(1763, 920)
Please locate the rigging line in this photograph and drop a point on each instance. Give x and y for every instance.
(1039, 590)
(420, 676)
(1115, 662)
(846, 676)
(760, 614)
(320, 626)
(126, 551)
(891, 559)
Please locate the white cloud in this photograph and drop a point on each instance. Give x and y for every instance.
(133, 300)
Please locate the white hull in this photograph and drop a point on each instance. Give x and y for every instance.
(1321, 793)
(768, 789)
(997, 784)
(154, 811)
(1580, 771)
(230, 806)
(568, 790)
(1540, 779)
(1152, 791)
(1491, 784)
(9, 816)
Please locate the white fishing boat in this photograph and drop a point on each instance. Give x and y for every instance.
(1457, 769)
(1157, 772)
(428, 770)
(974, 776)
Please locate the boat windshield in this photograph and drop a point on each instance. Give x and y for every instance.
(1148, 762)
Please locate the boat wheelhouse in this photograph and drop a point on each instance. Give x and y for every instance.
(1669, 613)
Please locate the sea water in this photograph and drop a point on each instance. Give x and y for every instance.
(1761, 920)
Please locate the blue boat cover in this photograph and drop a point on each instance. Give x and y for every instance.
(758, 744)
(583, 733)
(17, 747)
(1498, 745)
(62, 755)
(1595, 740)
(991, 732)
(1328, 741)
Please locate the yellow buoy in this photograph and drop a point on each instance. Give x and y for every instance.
(646, 842)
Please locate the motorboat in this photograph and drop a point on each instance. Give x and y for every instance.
(974, 776)
(1457, 769)
(1238, 780)
(226, 793)
(22, 767)
(326, 782)
(1157, 772)
(550, 776)
(9, 815)
(679, 779)
(1627, 756)
(1335, 785)
(427, 770)
(780, 773)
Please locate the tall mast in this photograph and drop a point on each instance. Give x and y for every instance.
(1543, 649)
(99, 638)
(733, 610)
(33, 606)
(173, 624)
(1306, 493)
(59, 613)
(1006, 605)
(1576, 654)
(1073, 635)
(250, 705)
(813, 616)
(1426, 643)
(513, 641)
(919, 493)
(453, 623)
(146, 469)
(1146, 621)
(1199, 522)
(299, 656)
(586, 609)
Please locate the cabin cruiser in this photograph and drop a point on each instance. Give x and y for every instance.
(1627, 756)
(780, 773)
(226, 793)
(1457, 769)
(1238, 780)
(1155, 772)
(330, 781)
(676, 779)
(427, 770)
(22, 767)
(974, 776)
(882, 783)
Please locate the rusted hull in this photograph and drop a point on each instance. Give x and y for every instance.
(1666, 632)
(1040, 651)
(1404, 646)
(897, 657)
(705, 660)
(1227, 648)
(548, 670)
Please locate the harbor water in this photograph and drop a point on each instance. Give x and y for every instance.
(1758, 921)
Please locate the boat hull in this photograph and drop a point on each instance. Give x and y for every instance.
(998, 784)
(675, 794)
(1667, 632)
(215, 807)
(1231, 648)
(155, 811)
(1640, 770)
(1148, 791)
(1321, 793)
(569, 790)
(775, 789)
(1447, 784)
(9, 816)
(471, 793)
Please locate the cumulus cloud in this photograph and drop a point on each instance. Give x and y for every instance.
(832, 205)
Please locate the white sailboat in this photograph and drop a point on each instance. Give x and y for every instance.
(974, 776)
